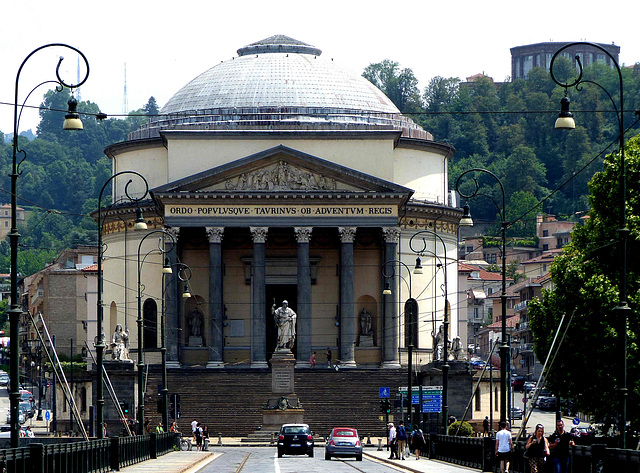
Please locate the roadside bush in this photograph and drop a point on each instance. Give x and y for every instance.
(465, 429)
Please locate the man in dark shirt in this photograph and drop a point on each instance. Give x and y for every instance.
(559, 443)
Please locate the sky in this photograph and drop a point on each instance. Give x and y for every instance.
(166, 44)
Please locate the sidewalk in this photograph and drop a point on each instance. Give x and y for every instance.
(418, 466)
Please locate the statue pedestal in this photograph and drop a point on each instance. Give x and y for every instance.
(283, 406)
(365, 341)
(195, 341)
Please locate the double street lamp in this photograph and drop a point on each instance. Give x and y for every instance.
(467, 221)
(565, 121)
(418, 244)
(139, 225)
(72, 122)
(410, 321)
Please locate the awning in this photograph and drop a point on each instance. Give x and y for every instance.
(478, 294)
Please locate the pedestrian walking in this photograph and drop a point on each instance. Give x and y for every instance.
(485, 426)
(312, 360)
(198, 435)
(417, 442)
(504, 446)
(159, 429)
(329, 357)
(401, 434)
(537, 449)
(392, 441)
(559, 443)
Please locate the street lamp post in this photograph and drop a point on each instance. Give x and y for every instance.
(565, 121)
(421, 250)
(161, 250)
(410, 317)
(99, 340)
(72, 122)
(466, 220)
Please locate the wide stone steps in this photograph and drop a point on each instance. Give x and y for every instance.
(229, 401)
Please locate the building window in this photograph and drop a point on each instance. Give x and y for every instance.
(545, 233)
(489, 291)
(469, 249)
(545, 247)
(150, 324)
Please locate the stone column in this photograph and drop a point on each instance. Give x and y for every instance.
(258, 302)
(347, 304)
(216, 306)
(172, 303)
(303, 330)
(390, 333)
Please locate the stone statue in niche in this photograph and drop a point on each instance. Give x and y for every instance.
(456, 349)
(120, 344)
(285, 319)
(195, 327)
(366, 338)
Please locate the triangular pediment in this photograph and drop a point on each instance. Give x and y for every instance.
(282, 169)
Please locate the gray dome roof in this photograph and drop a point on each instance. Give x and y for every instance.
(280, 82)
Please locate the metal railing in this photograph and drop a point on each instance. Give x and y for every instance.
(92, 456)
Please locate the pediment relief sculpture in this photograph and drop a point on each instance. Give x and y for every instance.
(280, 176)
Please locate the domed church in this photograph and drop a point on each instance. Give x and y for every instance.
(280, 176)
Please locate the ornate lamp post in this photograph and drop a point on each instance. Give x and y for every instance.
(565, 121)
(466, 220)
(72, 122)
(161, 250)
(421, 250)
(410, 317)
(99, 341)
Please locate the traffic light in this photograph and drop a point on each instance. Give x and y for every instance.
(382, 408)
(387, 406)
(124, 406)
(178, 411)
(174, 406)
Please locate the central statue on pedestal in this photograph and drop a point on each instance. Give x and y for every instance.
(285, 319)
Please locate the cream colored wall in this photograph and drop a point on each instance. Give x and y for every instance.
(150, 162)
(424, 285)
(424, 172)
(325, 300)
(367, 288)
(237, 300)
(376, 157)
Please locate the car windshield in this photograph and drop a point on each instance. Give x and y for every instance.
(344, 433)
(295, 430)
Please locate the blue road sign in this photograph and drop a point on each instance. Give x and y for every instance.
(576, 421)
(47, 416)
(384, 392)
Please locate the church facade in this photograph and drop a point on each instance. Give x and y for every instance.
(280, 176)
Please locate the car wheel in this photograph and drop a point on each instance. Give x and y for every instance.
(327, 456)
(358, 458)
(311, 453)
(279, 453)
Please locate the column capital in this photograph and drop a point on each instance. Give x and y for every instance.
(215, 234)
(173, 231)
(259, 234)
(391, 234)
(347, 234)
(303, 234)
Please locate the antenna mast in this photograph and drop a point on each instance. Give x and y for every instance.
(125, 102)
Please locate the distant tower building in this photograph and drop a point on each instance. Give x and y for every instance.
(125, 101)
(524, 58)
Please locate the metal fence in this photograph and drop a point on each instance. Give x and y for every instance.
(478, 452)
(93, 456)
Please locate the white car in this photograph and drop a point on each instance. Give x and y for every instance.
(21, 416)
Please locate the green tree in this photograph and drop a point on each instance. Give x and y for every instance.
(400, 85)
(586, 279)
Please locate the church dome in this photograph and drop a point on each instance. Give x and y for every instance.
(283, 84)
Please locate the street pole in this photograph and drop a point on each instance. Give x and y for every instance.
(100, 339)
(14, 308)
(566, 121)
(421, 250)
(504, 343)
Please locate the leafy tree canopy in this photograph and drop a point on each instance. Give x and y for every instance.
(586, 278)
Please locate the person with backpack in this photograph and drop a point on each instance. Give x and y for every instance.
(417, 442)
(402, 440)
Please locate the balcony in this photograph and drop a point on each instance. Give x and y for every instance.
(520, 306)
(526, 348)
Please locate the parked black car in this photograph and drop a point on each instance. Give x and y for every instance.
(295, 439)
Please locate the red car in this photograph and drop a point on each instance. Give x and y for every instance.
(343, 442)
